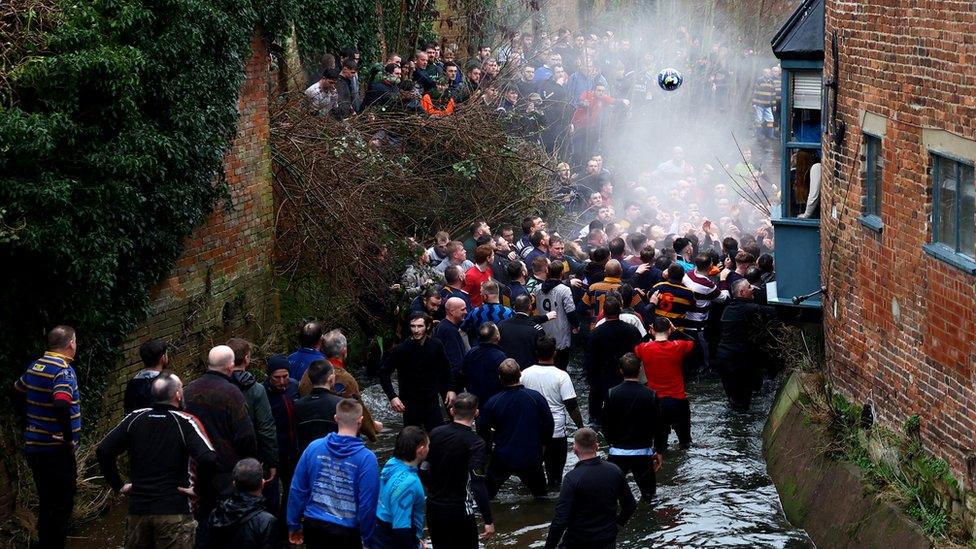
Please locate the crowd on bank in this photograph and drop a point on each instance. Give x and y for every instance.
(657, 273)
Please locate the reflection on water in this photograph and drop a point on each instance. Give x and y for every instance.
(715, 494)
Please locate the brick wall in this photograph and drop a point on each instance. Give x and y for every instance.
(222, 284)
(900, 325)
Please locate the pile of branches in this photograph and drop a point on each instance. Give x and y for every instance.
(346, 189)
(22, 27)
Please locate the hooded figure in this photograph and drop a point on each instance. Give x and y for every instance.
(242, 522)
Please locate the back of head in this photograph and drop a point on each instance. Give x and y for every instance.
(248, 475)
(730, 245)
(600, 255)
(348, 412)
(754, 275)
(241, 348)
(765, 263)
(626, 292)
(452, 275)
(487, 333)
(617, 247)
(630, 365)
(522, 303)
(540, 264)
(527, 224)
(164, 388)
(60, 337)
(586, 439)
(676, 273)
(613, 269)
(545, 348)
(221, 357)
(660, 324)
(555, 270)
(744, 258)
(514, 270)
(152, 351)
(661, 263)
(319, 372)
(753, 250)
(740, 287)
(464, 407)
(483, 253)
(407, 442)
(334, 344)
(310, 335)
(509, 372)
(612, 306)
(490, 288)
(703, 263)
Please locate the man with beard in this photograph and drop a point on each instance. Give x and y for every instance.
(423, 373)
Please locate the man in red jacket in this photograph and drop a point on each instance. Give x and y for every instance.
(662, 359)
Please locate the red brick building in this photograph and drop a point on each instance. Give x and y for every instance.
(222, 285)
(897, 224)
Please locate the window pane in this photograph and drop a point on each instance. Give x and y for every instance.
(947, 202)
(801, 197)
(967, 216)
(805, 126)
(876, 176)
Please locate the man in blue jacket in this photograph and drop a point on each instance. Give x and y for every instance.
(309, 350)
(515, 423)
(400, 511)
(335, 488)
(479, 370)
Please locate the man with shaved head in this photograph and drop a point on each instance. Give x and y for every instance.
(449, 333)
(219, 404)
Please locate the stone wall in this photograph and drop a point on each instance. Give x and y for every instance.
(222, 285)
(900, 323)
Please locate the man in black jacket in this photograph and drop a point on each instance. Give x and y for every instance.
(315, 412)
(607, 343)
(241, 521)
(160, 441)
(630, 421)
(219, 403)
(520, 332)
(738, 356)
(594, 502)
(516, 423)
(423, 372)
(454, 474)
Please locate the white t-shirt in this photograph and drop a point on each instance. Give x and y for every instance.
(556, 387)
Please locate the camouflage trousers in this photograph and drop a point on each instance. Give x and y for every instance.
(160, 531)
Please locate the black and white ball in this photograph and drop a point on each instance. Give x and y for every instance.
(669, 79)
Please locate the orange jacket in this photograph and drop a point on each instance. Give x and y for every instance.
(428, 104)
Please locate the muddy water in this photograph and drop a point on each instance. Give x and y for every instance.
(714, 494)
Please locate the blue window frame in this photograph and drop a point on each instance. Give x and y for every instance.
(953, 212)
(873, 170)
(801, 128)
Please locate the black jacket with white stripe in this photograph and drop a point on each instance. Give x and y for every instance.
(161, 441)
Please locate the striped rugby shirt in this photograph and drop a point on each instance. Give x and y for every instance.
(49, 378)
(706, 292)
(674, 302)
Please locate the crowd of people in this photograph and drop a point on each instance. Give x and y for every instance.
(655, 274)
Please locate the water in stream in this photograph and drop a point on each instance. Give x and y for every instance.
(715, 494)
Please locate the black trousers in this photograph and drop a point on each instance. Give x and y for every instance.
(561, 360)
(676, 415)
(599, 391)
(326, 535)
(452, 528)
(427, 415)
(643, 469)
(56, 478)
(739, 386)
(533, 477)
(554, 458)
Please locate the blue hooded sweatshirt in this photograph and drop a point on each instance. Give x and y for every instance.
(402, 499)
(336, 481)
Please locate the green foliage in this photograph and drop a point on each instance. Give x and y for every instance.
(108, 157)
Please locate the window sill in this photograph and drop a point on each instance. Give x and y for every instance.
(960, 261)
(872, 222)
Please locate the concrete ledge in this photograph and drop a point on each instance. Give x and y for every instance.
(829, 499)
